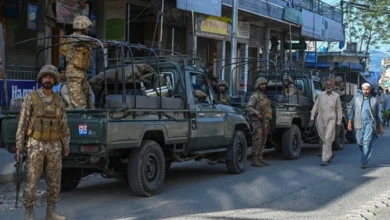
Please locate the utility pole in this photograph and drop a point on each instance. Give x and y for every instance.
(161, 26)
(233, 46)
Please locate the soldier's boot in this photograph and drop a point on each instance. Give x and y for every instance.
(29, 214)
(256, 163)
(263, 162)
(51, 213)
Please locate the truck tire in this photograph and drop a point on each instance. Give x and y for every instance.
(168, 164)
(338, 143)
(70, 179)
(146, 169)
(237, 153)
(291, 143)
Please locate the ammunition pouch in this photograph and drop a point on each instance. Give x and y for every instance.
(46, 121)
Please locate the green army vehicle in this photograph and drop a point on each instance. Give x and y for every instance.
(290, 125)
(146, 119)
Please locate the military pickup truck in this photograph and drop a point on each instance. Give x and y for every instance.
(142, 126)
(290, 125)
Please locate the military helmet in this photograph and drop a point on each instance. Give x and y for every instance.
(338, 79)
(288, 77)
(260, 81)
(223, 83)
(49, 70)
(81, 22)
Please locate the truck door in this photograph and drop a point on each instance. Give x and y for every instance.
(209, 116)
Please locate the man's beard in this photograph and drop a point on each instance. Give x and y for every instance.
(329, 89)
(47, 85)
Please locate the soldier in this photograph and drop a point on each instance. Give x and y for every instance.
(223, 96)
(260, 112)
(44, 121)
(289, 87)
(339, 85)
(79, 60)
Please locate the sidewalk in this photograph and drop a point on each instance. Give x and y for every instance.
(8, 195)
(7, 168)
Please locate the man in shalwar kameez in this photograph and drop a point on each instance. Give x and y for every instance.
(367, 120)
(328, 108)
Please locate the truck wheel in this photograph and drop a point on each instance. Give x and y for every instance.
(168, 164)
(146, 169)
(237, 154)
(291, 143)
(339, 141)
(70, 179)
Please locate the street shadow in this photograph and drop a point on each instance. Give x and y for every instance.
(196, 188)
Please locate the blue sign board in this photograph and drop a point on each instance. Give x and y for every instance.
(292, 15)
(17, 89)
(32, 15)
(207, 7)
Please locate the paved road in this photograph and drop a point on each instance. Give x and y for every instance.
(300, 189)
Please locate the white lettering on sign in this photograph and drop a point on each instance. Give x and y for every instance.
(20, 93)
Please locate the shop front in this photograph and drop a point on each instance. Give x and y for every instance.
(213, 36)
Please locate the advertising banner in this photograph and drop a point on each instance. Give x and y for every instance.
(66, 10)
(32, 14)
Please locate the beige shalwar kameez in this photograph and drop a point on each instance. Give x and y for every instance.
(328, 107)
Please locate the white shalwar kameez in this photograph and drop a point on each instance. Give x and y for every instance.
(328, 107)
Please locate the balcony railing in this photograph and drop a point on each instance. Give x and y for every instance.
(274, 8)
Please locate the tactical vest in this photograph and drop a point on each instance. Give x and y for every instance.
(46, 121)
(264, 106)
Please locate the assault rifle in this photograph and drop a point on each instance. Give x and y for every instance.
(19, 167)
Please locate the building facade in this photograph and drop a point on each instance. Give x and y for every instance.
(264, 28)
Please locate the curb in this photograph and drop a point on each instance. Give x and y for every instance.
(370, 209)
(6, 178)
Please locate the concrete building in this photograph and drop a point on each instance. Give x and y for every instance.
(264, 28)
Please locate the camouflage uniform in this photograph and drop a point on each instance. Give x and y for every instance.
(65, 96)
(223, 98)
(291, 90)
(79, 60)
(43, 120)
(200, 94)
(259, 104)
(339, 85)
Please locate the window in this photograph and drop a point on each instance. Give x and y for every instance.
(317, 86)
(200, 88)
(300, 85)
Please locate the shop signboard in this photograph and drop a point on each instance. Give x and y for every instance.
(220, 28)
(207, 7)
(292, 15)
(321, 28)
(17, 89)
(295, 46)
